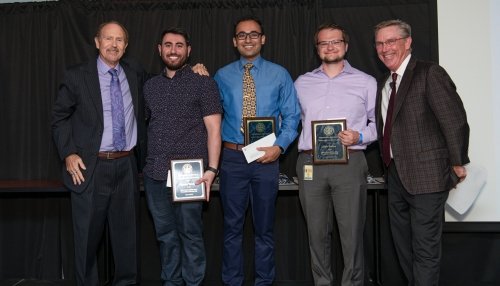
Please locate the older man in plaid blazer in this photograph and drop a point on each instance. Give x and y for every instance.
(425, 147)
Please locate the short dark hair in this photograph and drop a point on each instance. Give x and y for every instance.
(99, 29)
(248, 18)
(176, 31)
(331, 26)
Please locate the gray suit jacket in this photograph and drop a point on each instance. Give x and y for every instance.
(77, 116)
(430, 133)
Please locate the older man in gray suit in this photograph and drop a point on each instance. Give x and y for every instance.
(424, 138)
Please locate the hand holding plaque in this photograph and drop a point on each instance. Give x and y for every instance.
(256, 128)
(184, 175)
(327, 148)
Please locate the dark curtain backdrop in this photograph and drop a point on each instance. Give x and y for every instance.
(39, 40)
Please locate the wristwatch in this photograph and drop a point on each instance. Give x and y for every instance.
(211, 169)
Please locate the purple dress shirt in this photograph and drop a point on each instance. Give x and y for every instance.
(350, 95)
(130, 123)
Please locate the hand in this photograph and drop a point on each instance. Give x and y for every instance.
(461, 172)
(272, 153)
(349, 137)
(208, 178)
(74, 165)
(200, 69)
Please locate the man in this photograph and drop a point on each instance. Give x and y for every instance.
(97, 126)
(255, 183)
(184, 123)
(424, 142)
(335, 90)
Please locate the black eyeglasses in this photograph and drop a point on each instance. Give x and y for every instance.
(253, 35)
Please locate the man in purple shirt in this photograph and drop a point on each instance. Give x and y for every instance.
(100, 170)
(332, 91)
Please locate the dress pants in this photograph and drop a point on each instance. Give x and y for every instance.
(416, 225)
(242, 184)
(179, 231)
(339, 188)
(113, 196)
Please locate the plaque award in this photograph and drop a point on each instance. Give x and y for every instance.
(184, 175)
(255, 128)
(327, 148)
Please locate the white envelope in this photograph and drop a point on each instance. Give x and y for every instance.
(465, 194)
(250, 151)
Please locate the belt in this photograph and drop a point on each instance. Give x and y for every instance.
(111, 155)
(233, 146)
(310, 152)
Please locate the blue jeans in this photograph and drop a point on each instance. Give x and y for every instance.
(179, 231)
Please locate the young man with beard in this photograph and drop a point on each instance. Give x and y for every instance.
(335, 90)
(184, 114)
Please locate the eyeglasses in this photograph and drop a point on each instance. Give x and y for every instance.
(389, 43)
(325, 44)
(242, 35)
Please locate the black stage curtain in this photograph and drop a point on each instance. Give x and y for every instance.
(39, 40)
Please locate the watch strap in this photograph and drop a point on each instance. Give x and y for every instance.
(212, 169)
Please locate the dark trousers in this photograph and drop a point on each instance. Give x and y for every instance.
(416, 225)
(242, 184)
(179, 231)
(339, 188)
(112, 196)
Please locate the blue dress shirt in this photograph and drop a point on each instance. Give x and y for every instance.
(275, 96)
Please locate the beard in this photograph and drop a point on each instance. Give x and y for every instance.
(173, 66)
(332, 60)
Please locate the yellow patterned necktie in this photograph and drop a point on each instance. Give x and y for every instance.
(249, 100)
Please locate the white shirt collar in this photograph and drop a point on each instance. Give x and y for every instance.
(401, 70)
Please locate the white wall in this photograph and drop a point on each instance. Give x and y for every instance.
(469, 45)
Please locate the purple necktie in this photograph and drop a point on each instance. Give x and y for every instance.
(117, 112)
(386, 139)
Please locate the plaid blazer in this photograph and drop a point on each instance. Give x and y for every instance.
(430, 133)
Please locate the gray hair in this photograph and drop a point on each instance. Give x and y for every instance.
(404, 27)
